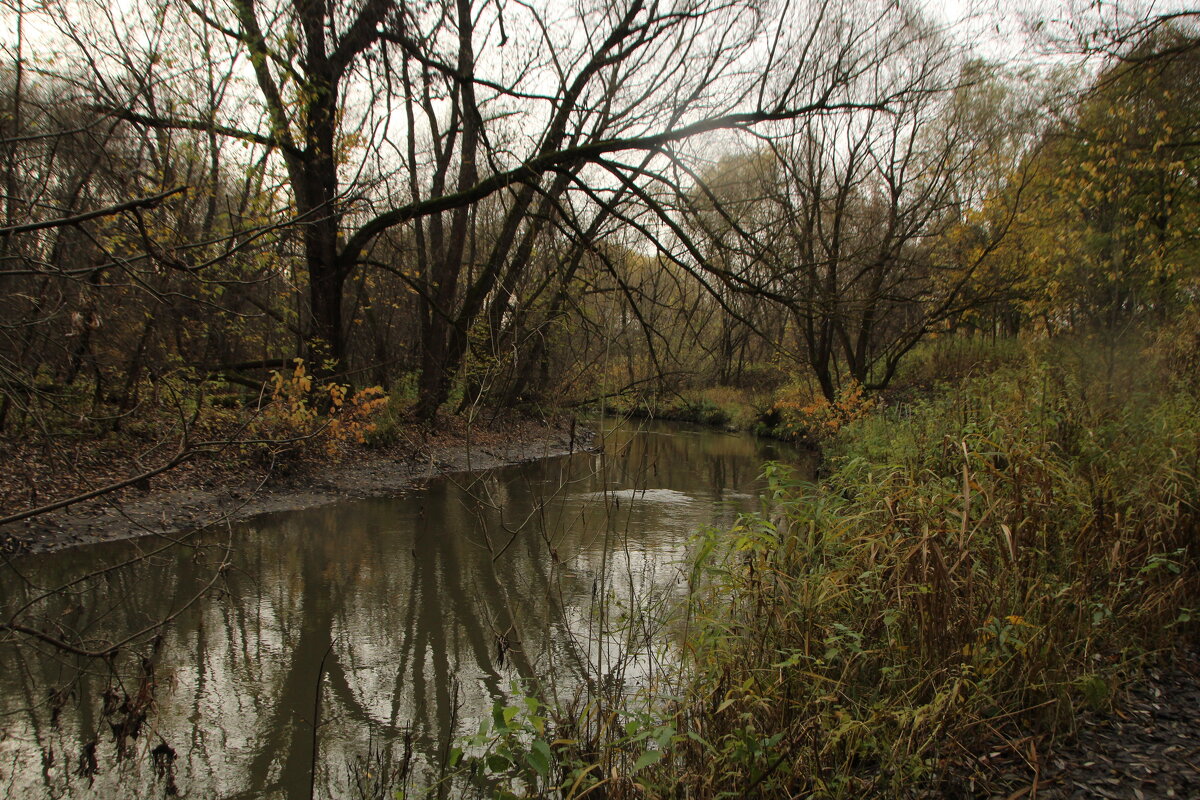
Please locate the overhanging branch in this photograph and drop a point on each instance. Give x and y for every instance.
(107, 211)
(533, 169)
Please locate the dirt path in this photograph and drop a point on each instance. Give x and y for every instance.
(201, 501)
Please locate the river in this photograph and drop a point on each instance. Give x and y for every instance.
(395, 623)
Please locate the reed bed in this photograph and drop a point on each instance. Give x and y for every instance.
(973, 569)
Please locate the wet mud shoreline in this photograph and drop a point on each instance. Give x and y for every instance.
(166, 510)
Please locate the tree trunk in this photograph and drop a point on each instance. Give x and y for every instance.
(433, 385)
(326, 339)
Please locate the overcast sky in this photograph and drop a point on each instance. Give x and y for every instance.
(998, 31)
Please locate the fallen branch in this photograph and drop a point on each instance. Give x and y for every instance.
(179, 458)
(624, 389)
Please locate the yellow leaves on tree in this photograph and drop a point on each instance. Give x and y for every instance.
(1107, 230)
(809, 415)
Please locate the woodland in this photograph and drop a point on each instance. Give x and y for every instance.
(242, 237)
(465, 205)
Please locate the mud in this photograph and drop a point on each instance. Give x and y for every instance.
(164, 510)
(1146, 746)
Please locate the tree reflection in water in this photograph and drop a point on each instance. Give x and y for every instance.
(426, 609)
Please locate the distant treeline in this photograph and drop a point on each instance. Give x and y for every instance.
(468, 203)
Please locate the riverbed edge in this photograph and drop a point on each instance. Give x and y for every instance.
(361, 474)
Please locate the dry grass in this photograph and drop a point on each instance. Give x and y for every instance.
(975, 568)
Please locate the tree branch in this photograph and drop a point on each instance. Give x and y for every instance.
(190, 125)
(107, 211)
(532, 169)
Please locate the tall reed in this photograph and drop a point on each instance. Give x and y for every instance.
(974, 569)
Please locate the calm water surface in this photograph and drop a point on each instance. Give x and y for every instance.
(419, 612)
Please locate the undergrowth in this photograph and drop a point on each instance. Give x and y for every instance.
(975, 568)
(717, 406)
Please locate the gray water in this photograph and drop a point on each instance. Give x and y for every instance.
(417, 613)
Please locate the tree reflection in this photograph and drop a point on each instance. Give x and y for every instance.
(426, 609)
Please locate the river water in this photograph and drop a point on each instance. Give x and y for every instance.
(394, 623)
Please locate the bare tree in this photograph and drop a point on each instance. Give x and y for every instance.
(853, 215)
(383, 115)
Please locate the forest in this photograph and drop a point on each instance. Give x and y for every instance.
(247, 242)
(642, 200)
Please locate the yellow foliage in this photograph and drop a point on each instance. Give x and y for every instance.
(327, 414)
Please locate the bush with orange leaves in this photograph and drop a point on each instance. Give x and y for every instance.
(303, 413)
(801, 415)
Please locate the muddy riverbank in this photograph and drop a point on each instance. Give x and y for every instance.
(204, 496)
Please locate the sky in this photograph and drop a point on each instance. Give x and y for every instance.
(1002, 29)
(1000, 32)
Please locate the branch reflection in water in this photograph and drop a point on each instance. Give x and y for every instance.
(413, 615)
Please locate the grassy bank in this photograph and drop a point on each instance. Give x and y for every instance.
(792, 408)
(725, 407)
(977, 566)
